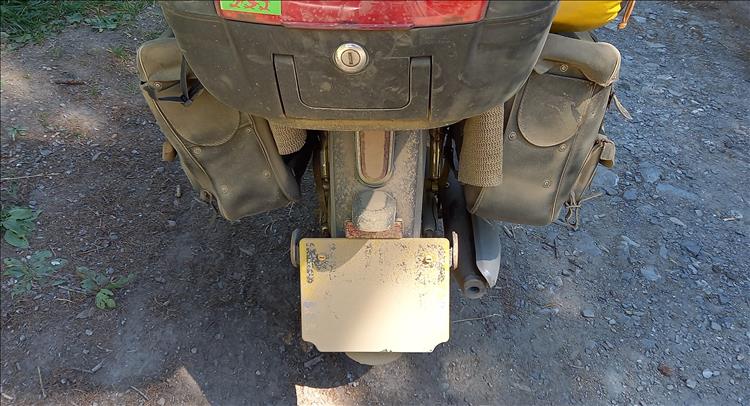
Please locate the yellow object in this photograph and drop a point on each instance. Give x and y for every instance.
(577, 15)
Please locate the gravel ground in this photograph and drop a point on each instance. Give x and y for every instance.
(646, 304)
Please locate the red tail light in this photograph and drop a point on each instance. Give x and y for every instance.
(353, 14)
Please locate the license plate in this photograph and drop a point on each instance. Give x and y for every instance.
(375, 295)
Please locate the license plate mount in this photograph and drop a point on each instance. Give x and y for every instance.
(374, 295)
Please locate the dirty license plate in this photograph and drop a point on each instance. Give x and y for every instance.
(375, 295)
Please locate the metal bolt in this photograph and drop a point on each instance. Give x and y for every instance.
(512, 135)
(427, 260)
(250, 131)
(197, 150)
(563, 68)
(562, 147)
(322, 257)
(224, 189)
(157, 85)
(266, 173)
(547, 183)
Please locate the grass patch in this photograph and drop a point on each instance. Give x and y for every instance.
(33, 20)
(119, 52)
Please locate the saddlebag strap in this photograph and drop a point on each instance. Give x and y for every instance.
(188, 93)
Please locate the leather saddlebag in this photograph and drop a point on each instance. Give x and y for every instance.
(552, 139)
(229, 156)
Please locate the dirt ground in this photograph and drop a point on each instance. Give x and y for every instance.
(648, 303)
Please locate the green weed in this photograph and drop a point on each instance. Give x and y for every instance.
(55, 52)
(32, 272)
(16, 131)
(94, 90)
(119, 52)
(25, 21)
(16, 224)
(102, 285)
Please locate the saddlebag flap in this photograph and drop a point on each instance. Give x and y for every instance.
(229, 156)
(551, 140)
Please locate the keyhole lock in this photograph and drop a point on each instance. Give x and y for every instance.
(350, 58)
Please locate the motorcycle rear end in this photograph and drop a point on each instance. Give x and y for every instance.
(423, 121)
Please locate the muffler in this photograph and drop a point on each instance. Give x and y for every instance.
(457, 219)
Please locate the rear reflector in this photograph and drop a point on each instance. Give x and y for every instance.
(353, 14)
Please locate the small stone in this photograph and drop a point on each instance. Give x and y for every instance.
(667, 189)
(160, 279)
(650, 273)
(588, 312)
(566, 272)
(670, 387)
(171, 223)
(692, 247)
(663, 252)
(629, 242)
(650, 172)
(89, 332)
(161, 402)
(630, 195)
(539, 286)
(677, 221)
(194, 350)
(258, 373)
(558, 281)
(587, 245)
(612, 322)
(715, 326)
(707, 373)
(605, 178)
(691, 383)
(85, 313)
